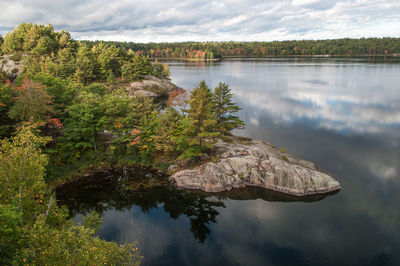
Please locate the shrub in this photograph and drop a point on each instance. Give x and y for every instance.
(284, 157)
(16, 57)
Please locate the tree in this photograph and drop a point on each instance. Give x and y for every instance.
(33, 229)
(14, 41)
(10, 233)
(84, 123)
(110, 59)
(6, 101)
(32, 102)
(167, 131)
(86, 65)
(202, 123)
(1, 44)
(140, 109)
(116, 108)
(136, 69)
(32, 38)
(22, 168)
(65, 40)
(45, 45)
(59, 90)
(178, 99)
(223, 108)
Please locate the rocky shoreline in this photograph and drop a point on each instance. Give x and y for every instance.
(259, 164)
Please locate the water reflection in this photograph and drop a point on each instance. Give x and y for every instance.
(344, 95)
(341, 114)
(121, 189)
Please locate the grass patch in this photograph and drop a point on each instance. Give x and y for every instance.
(244, 140)
(285, 158)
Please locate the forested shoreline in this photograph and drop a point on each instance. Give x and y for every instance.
(66, 107)
(216, 50)
(59, 98)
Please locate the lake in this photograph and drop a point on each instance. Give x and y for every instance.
(342, 114)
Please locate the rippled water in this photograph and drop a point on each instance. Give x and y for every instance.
(342, 114)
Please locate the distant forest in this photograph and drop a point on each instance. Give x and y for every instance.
(215, 50)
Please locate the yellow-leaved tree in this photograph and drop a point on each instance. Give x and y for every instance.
(33, 229)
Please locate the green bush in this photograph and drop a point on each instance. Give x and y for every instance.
(16, 57)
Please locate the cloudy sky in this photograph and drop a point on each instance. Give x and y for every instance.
(197, 20)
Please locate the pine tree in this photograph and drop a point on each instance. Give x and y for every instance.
(86, 65)
(167, 131)
(223, 108)
(202, 123)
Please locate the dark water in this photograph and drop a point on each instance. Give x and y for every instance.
(342, 114)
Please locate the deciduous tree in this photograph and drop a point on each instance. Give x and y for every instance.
(32, 102)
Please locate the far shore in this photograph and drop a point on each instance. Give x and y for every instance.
(275, 56)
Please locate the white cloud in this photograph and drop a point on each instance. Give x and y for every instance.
(304, 2)
(156, 20)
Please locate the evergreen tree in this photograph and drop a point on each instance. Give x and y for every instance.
(137, 68)
(110, 59)
(1, 44)
(84, 122)
(201, 128)
(167, 131)
(65, 40)
(86, 65)
(32, 38)
(65, 63)
(224, 108)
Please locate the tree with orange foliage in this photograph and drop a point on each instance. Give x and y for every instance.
(178, 99)
(32, 102)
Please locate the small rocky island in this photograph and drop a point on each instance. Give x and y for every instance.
(256, 163)
(239, 163)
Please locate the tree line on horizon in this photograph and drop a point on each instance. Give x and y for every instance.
(215, 50)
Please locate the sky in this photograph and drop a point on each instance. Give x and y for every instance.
(219, 20)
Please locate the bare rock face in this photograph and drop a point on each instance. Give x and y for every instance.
(144, 93)
(151, 86)
(257, 164)
(12, 68)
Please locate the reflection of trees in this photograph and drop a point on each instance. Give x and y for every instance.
(120, 189)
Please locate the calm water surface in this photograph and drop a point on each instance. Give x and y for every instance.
(342, 114)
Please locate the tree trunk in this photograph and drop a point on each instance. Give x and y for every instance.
(94, 143)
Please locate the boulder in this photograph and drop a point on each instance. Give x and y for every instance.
(144, 93)
(12, 68)
(256, 163)
(151, 86)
